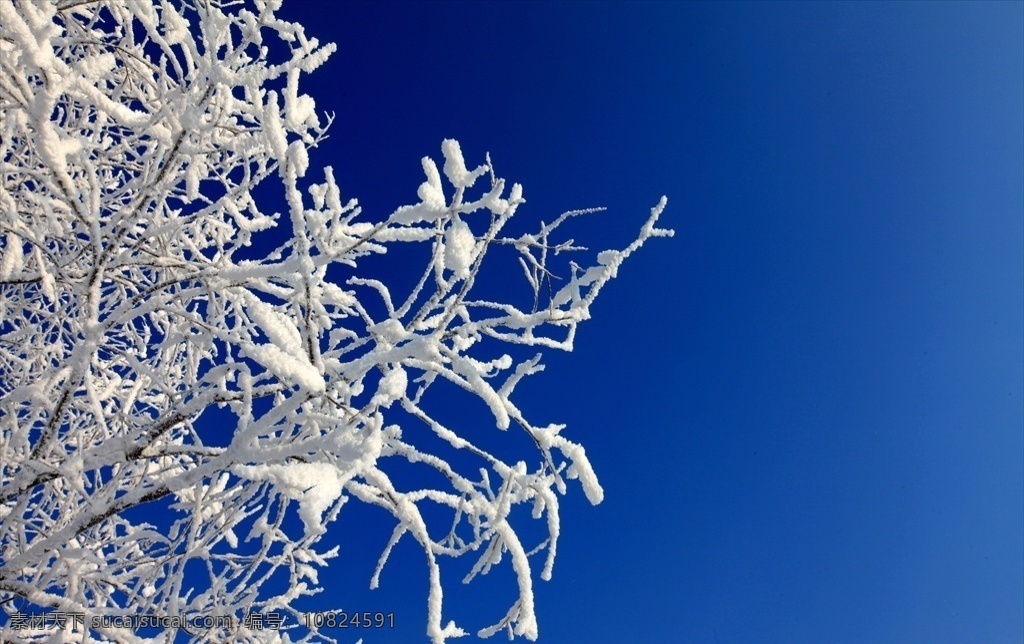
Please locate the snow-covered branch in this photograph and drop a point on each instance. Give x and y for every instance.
(132, 136)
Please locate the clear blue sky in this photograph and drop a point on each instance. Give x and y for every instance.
(806, 409)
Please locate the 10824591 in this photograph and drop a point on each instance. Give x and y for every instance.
(345, 619)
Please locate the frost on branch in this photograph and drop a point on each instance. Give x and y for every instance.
(132, 136)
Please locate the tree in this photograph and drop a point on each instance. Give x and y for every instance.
(132, 138)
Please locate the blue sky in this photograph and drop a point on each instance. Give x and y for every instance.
(806, 408)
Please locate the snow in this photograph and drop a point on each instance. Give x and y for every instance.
(432, 197)
(582, 470)
(455, 165)
(13, 257)
(175, 26)
(275, 324)
(459, 248)
(526, 622)
(472, 373)
(333, 294)
(300, 110)
(580, 467)
(47, 281)
(275, 132)
(392, 387)
(288, 367)
(314, 485)
(298, 157)
(389, 333)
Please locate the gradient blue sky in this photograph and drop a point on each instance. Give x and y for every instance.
(806, 409)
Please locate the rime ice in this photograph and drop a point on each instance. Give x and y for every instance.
(132, 137)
